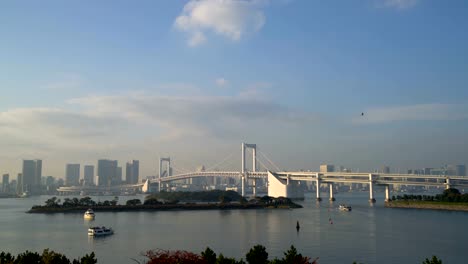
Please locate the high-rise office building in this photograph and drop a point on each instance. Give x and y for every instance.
(456, 170)
(6, 183)
(32, 174)
(385, 169)
(88, 175)
(107, 172)
(132, 172)
(327, 168)
(72, 175)
(19, 184)
(118, 177)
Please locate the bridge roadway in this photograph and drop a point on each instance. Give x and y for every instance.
(329, 178)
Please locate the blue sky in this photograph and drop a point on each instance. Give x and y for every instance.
(82, 80)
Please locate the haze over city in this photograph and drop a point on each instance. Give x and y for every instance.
(355, 83)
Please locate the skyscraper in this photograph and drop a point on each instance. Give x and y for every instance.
(5, 183)
(132, 172)
(118, 177)
(72, 175)
(385, 169)
(19, 184)
(107, 172)
(89, 175)
(32, 173)
(327, 168)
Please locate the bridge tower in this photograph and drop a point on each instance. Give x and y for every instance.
(168, 169)
(254, 166)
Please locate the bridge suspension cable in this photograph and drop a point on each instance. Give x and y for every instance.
(178, 168)
(220, 163)
(271, 162)
(259, 161)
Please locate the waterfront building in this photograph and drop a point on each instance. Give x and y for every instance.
(132, 172)
(31, 176)
(72, 175)
(385, 169)
(118, 177)
(88, 175)
(6, 183)
(107, 172)
(327, 168)
(456, 170)
(19, 184)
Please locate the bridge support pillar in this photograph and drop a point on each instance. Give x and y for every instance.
(254, 187)
(317, 184)
(371, 189)
(332, 198)
(447, 183)
(387, 193)
(243, 185)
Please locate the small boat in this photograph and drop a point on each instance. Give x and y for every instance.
(345, 207)
(89, 214)
(100, 231)
(24, 194)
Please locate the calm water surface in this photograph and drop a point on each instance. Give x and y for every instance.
(367, 234)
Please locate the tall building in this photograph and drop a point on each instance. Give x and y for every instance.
(88, 175)
(107, 172)
(118, 177)
(6, 183)
(32, 174)
(132, 172)
(327, 168)
(456, 170)
(385, 169)
(72, 175)
(19, 184)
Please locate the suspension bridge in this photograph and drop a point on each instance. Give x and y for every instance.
(285, 183)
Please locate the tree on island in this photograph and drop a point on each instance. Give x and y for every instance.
(133, 202)
(433, 260)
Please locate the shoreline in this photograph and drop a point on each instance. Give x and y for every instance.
(461, 207)
(152, 208)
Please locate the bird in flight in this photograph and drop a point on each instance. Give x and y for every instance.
(362, 114)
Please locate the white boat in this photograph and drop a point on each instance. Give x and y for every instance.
(100, 231)
(344, 207)
(89, 214)
(25, 194)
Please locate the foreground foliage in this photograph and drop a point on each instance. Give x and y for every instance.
(47, 257)
(256, 255)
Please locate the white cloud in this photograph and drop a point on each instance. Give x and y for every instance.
(420, 112)
(196, 39)
(230, 18)
(399, 4)
(221, 82)
(67, 81)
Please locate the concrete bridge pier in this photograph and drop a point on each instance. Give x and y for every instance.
(243, 185)
(371, 189)
(447, 183)
(317, 183)
(387, 193)
(332, 198)
(254, 187)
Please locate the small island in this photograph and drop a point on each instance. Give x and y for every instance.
(451, 199)
(205, 200)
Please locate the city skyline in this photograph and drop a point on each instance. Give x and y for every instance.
(359, 84)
